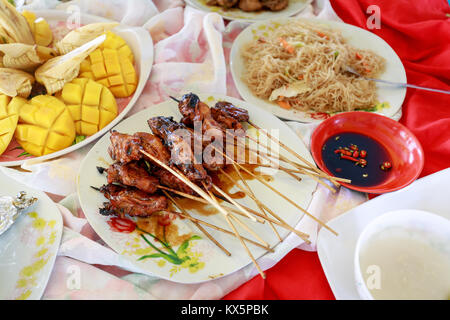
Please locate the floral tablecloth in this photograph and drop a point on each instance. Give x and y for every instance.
(191, 54)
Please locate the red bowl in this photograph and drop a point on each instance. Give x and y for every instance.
(401, 144)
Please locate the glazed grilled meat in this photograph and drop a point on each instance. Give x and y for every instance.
(154, 146)
(250, 5)
(125, 148)
(222, 3)
(194, 110)
(275, 5)
(169, 180)
(178, 139)
(228, 109)
(229, 116)
(134, 175)
(131, 201)
(187, 107)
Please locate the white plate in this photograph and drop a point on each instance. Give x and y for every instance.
(355, 36)
(216, 263)
(140, 43)
(28, 248)
(336, 254)
(294, 7)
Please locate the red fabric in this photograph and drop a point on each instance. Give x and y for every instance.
(298, 276)
(419, 31)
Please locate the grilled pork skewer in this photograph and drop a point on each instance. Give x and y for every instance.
(125, 148)
(133, 175)
(178, 139)
(131, 201)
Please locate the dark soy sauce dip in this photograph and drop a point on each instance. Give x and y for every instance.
(368, 176)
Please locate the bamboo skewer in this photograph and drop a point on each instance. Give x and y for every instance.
(258, 155)
(212, 226)
(231, 200)
(227, 217)
(302, 170)
(236, 219)
(189, 196)
(291, 163)
(279, 193)
(263, 275)
(280, 222)
(206, 233)
(192, 185)
(250, 193)
(210, 199)
(313, 167)
(253, 196)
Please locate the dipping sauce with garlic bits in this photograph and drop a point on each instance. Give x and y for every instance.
(398, 263)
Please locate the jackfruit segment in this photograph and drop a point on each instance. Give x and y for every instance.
(45, 126)
(39, 28)
(91, 104)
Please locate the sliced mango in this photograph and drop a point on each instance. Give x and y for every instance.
(39, 28)
(45, 126)
(9, 116)
(91, 104)
(111, 64)
(116, 42)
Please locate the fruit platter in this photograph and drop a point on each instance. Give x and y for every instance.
(63, 86)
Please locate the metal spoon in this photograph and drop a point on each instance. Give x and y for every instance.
(398, 84)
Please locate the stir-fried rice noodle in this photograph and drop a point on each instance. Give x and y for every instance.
(306, 63)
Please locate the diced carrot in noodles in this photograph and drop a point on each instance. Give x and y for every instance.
(322, 35)
(287, 46)
(358, 56)
(284, 104)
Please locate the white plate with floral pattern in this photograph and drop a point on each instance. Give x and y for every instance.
(391, 98)
(28, 248)
(195, 259)
(294, 7)
(140, 43)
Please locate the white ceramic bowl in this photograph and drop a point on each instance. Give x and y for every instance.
(433, 228)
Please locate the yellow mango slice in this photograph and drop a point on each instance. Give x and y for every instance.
(91, 104)
(9, 116)
(39, 28)
(111, 64)
(45, 126)
(114, 41)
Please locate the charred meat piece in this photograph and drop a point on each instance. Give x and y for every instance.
(133, 175)
(192, 109)
(131, 201)
(229, 109)
(227, 3)
(229, 116)
(179, 141)
(125, 148)
(187, 106)
(275, 5)
(169, 180)
(154, 146)
(250, 5)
